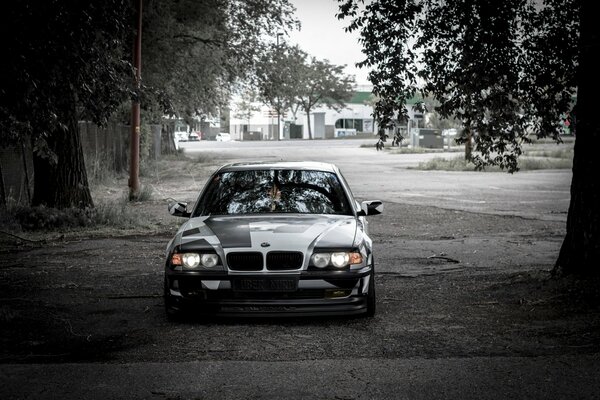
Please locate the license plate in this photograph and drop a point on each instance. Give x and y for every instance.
(265, 285)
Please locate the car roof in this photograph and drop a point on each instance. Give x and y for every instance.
(303, 165)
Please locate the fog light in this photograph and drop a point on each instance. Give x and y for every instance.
(337, 293)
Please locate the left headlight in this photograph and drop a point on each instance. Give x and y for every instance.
(337, 259)
(194, 260)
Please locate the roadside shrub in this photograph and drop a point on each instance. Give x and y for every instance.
(97, 170)
(144, 194)
(446, 164)
(115, 215)
(45, 219)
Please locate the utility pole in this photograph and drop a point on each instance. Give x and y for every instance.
(134, 156)
(278, 104)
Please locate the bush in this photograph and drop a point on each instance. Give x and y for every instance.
(144, 194)
(446, 164)
(46, 219)
(115, 215)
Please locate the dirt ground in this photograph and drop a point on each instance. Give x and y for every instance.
(449, 283)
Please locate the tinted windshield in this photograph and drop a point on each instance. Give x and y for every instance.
(274, 191)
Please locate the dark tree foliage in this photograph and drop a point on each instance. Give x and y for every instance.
(508, 70)
(580, 251)
(194, 52)
(70, 60)
(288, 79)
(323, 83)
(63, 61)
(493, 65)
(279, 76)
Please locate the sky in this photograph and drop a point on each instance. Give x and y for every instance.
(322, 35)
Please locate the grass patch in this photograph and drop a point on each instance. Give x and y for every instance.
(422, 150)
(414, 150)
(204, 158)
(562, 153)
(460, 164)
(144, 194)
(119, 215)
(175, 166)
(445, 164)
(533, 163)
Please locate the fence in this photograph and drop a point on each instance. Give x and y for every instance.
(16, 174)
(105, 150)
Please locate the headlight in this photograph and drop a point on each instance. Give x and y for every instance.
(194, 260)
(320, 260)
(209, 260)
(191, 260)
(338, 259)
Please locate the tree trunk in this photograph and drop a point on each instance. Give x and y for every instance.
(308, 122)
(2, 190)
(580, 251)
(62, 182)
(469, 143)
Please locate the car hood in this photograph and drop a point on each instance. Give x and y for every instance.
(284, 233)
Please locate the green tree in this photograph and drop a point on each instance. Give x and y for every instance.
(69, 60)
(246, 105)
(289, 79)
(279, 76)
(507, 70)
(322, 83)
(195, 52)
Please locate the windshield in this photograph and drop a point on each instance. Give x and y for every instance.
(273, 191)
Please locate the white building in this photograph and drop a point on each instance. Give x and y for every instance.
(325, 123)
(261, 123)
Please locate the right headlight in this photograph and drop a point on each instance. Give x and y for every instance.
(337, 259)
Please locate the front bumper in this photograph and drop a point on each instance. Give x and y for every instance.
(308, 293)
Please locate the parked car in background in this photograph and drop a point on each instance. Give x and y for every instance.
(180, 134)
(271, 238)
(223, 137)
(193, 136)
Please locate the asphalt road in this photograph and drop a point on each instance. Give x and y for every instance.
(471, 378)
(538, 196)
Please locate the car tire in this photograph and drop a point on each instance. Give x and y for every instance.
(371, 297)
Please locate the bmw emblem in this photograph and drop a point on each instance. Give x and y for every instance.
(265, 244)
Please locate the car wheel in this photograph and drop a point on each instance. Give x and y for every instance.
(173, 313)
(371, 296)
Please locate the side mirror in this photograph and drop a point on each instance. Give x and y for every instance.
(179, 209)
(371, 207)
